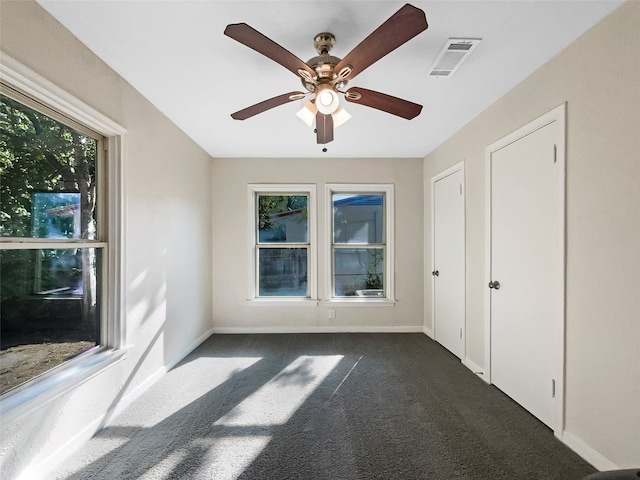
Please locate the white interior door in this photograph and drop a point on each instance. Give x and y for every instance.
(449, 260)
(526, 270)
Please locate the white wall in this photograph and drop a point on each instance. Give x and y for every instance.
(599, 78)
(167, 244)
(232, 311)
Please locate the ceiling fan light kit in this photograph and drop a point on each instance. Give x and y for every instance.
(340, 116)
(325, 77)
(308, 113)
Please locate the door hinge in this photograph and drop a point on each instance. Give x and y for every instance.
(555, 153)
(460, 334)
(553, 388)
(460, 189)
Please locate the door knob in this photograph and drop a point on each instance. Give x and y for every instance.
(435, 273)
(495, 285)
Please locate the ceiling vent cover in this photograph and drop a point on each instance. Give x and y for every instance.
(452, 55)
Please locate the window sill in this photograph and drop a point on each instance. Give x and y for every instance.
(360, 302)
(25, 400)
(280, 302)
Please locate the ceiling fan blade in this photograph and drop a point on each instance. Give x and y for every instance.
(324, 128)
(382, 101)
(401, 27)
(266, 105)
(252, 38)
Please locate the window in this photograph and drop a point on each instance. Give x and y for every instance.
(59, 246)
(283, 251)
(361, 251)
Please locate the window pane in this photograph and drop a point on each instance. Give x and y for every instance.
(282, 272)
(282, 219)
(358, 218)
(48, 187)
(49, 309)
(358, 271)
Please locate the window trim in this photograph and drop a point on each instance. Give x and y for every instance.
(387, 189)
(253, 191)
(34, 394)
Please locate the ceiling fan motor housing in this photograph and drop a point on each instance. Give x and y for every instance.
(323, 64)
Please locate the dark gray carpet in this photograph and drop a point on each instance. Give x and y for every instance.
(391, 406)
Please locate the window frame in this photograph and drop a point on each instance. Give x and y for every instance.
(387, 190)
(33, 90)
(254, 245)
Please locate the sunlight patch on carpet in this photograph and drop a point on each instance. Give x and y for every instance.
(277, 400)
(183, 386)
(179, 388)
(230, 456)
(169, 463)
(271, 405)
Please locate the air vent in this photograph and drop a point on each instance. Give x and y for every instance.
(454, 52)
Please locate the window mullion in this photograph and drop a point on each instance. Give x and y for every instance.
(35, 245)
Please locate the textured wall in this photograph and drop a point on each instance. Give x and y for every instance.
(597, 76)
(167, 242)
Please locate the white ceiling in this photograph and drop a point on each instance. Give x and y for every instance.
(176, 55)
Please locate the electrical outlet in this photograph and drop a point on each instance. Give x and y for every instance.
(332, 313)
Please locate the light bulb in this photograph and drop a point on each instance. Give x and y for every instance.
(327, 100)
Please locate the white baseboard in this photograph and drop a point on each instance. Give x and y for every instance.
(190, 348)
(428, 332)
(319, 329)
(132, 396)
(475, 368)
(588, 453)
(41, 469)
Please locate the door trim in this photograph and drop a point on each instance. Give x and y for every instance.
(558, 116)
(458, 167)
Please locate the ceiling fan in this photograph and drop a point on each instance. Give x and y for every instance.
(326, 76)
